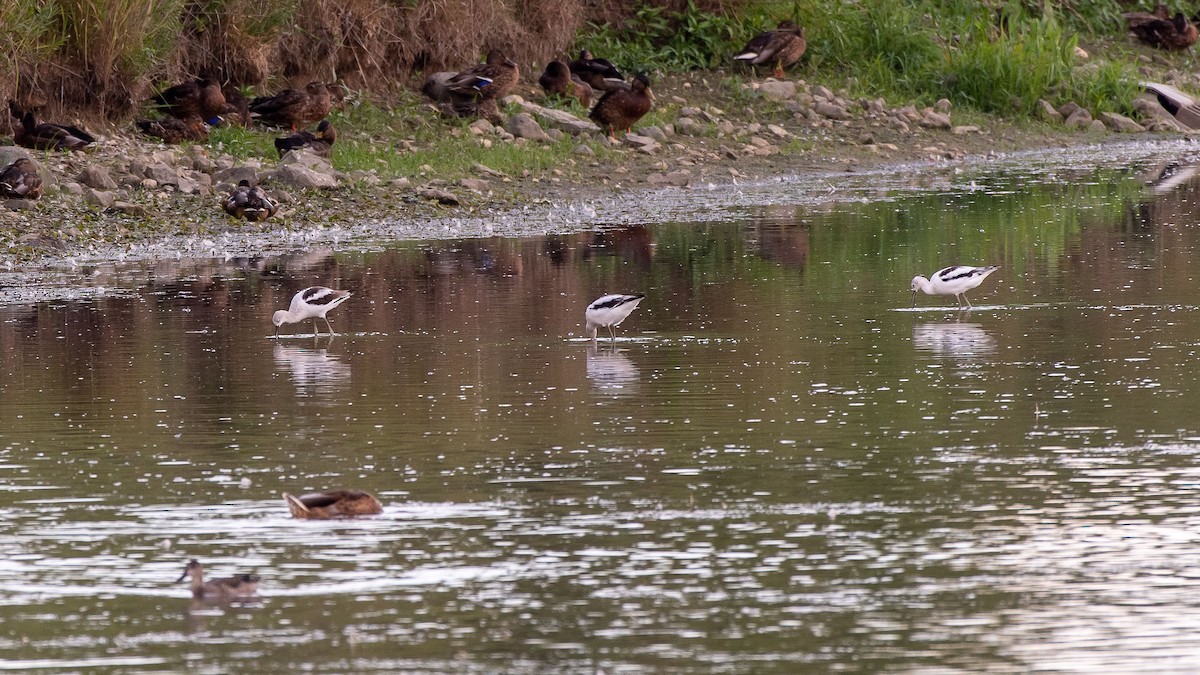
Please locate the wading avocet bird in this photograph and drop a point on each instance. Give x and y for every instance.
(311, 303)
(955, 280)
(609, 311)
(240, 586)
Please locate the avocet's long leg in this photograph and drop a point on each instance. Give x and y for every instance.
(328, 325)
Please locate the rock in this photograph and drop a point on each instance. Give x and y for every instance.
(556, 134)
(439, 195)
(804, 100)
(964, 130)
(1078, 119)
(1156, 117)
(187, 185)
(165, 175)
(11, 153)
(725, 127)
(97, 177)
(1081, 54)
(584, 150)
(558, 119)
(778, 130)
(688, 126)
(101, 198)
(522, 125)
(481, 126)
(484, 170)
(820, 91)
(148, 184)
(759, 142)
(1096, 126)
(128, 209)
(636, 141)
(1068, 109)
(475, 184)
(306, 170)
(1046, 112)
(401, 182)
(203, 164)
(19, 204)
(830, 111)
(72, 188)
(777, 90)
(942, 106)
(678, 178)
(653, 132)
(935, 120)
(1121, 123)
(235, 174)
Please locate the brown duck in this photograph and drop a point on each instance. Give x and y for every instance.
(1159, 29)
(242, 586)
(622, 108)
(174, 130)
(20, 180)
(599, 74)
(333, 504)
(44, 135)
(781, 47)
(488, 81)
(237, 109)
(293, 108)
(557, 80)
(250, 202)
(201, 97)
(320, 143)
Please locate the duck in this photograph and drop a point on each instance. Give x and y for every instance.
(250, 202)
(622, 108)
(292, 108)
(1159, 29)
(174, 130)
(489, 81)
(237, 109)
(200, 97)
(20, 180)
(557, 80)
(599, 74)
(320, 143)
(46, 135)
(782, 46)
(333, 504)
(455, 104)
(242, 586)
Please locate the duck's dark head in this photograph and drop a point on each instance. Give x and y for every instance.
(192, 569)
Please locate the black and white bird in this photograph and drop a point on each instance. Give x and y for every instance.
(313, 303)
(608, 312)
(955, 280)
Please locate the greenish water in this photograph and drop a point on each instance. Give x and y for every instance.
(778, 467)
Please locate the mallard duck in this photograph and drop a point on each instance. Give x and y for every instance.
(333, 504)
(237, 108)
(201, 97)
(174, 130)
(45, 135)
(557, 80)
(20, 180)
(454, 104)
(1160, 30)
(622, 108)
(599, 74)
(488, 81)
(292, 108)
(231, 588)
(320, 143)
(782, 46)
(250, 202)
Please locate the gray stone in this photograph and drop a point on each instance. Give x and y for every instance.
(898, 124)
(1096, 126)
(676, 178)
(165, 175)
(688, 126)
(831, 111)
(584, 150)
(777, 90)
(778, 130)
(653, 132)
(480, 127)
(964, 130)
(11, 153)
(71, 188)
(556, 134)
(1156, 117)
(187, 185)
(97, 177)
(636, 141)
(522, 125)
(299, 176)
(475, 184)
(1069, 108)
(1121, 123)
(203, 164)
(485, 170)
(1046, 112)
(129, 209)
(19, 204)
(101, 198)
(821, 91)
(439, 195)
(557, 119)
(148, 184)
(725, 128)
(1079, 119)
(233, 175)
(935, 120)
(943, 105)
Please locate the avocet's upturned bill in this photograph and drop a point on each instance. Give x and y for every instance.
(609, 311)
(955, 280)
(313, 303)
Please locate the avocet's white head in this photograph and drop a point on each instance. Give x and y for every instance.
(279, 318)
(919, 283)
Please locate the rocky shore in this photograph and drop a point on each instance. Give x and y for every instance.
(127, 190)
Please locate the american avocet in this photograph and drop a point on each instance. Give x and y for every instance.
(955, 280)
(609, 311)
(311, 303)
(333, 504)
(240, 586)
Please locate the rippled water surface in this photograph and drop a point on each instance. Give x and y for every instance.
(779, 466)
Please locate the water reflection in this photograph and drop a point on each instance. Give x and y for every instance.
(610, 371)
(953, 338)
(315, 372)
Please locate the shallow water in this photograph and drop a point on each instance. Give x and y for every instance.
(779, 466)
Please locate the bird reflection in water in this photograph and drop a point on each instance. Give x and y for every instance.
(953, 339)
(612, 372)
(314, 370)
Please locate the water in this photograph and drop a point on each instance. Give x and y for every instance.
(779, 466)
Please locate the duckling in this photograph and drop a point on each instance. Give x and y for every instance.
(292, 108)
(320, 143)
(201, 97)
(782, 46)
(174, 130)
(20, 180)
(599, 74)
(45, 135)
(488, 81)
(333, 504)
(622, 108)
(242, 586)
(250, 202)
(1162, 31)
(557, 80)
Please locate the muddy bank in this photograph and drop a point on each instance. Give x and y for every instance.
(132, 199)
